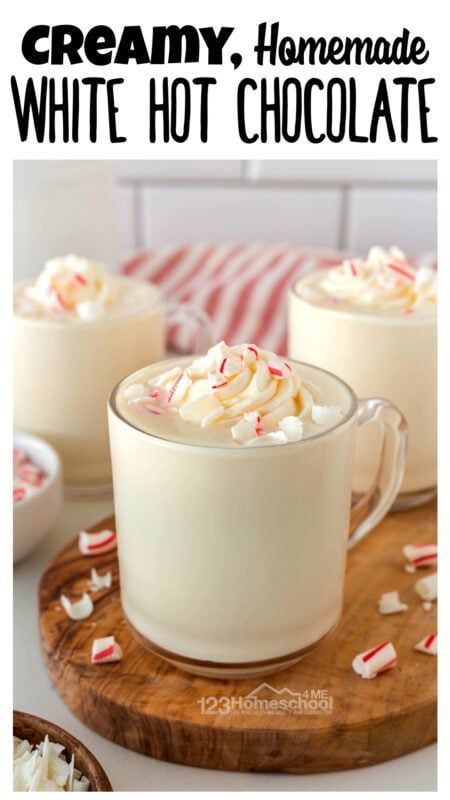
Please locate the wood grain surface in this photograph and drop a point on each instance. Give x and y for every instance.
(146, 705)
(35, 729)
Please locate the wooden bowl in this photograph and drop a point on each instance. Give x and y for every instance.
(27, 726)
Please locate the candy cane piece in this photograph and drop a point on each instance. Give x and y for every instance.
(81, 609)
(229, 367)
(326, 415)
(421, 555)
(390, 603)
(99, 582)
(292, 427)
(105, 650)
(370, 663)
(18, 493)
(250, 355)
(426, 588)
(401, 271)
(99, 542)
(179, 388)
(427, 645)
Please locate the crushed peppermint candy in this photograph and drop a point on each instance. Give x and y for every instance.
(420, 555)
(91, 544)
(372, 662)
(326, 415)
(106, 650)
(81, 609)
(426, 588)
(390, 603)
(252, 395)
(427, 645)
(99, 582)
(383, 280)
(28, 477)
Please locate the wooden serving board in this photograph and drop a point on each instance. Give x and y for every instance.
(146, 705)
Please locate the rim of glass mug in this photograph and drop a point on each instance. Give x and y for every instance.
(155, 302)
(359, 313)
(249, 451)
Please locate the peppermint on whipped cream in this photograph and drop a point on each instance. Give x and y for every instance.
(385, 280)
(76, 285)
(258, 394)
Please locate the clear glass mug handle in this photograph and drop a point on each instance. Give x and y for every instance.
(376, 502)
(186, 314)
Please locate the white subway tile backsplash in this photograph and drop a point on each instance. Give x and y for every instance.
(182, 170)
(347, 203)
(310, 217)
(127, 219)
(344, 171)
(404, 217)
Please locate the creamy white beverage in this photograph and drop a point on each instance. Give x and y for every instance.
(373, 323)
(77, 331)
(232, 485)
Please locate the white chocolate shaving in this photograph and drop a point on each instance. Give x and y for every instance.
(45, 768)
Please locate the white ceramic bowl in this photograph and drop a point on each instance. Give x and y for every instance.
(34, 515)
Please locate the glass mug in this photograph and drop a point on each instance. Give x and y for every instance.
(232, 560)
(388, 356)
(64, 374)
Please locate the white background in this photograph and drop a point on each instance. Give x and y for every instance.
(326, 18)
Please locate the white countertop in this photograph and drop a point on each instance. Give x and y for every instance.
(34, 693)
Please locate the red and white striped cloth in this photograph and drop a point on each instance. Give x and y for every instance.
(242, 287)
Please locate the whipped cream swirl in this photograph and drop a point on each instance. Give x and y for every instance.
(73, 285)
(384, 280)
(258, 394)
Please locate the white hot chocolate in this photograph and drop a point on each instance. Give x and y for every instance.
(77, 331)
(373, 323)
(232, 491)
